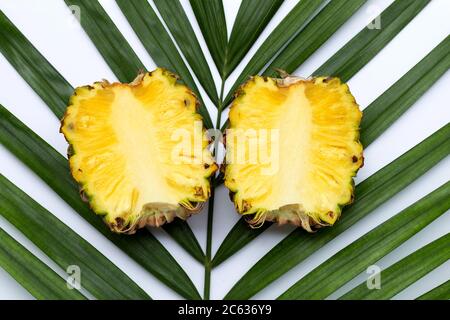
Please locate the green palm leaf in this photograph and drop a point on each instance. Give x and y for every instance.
(404, 93)
(178, 23)
(120, 56)
(247, 27)
(319, 30)
(53, 168)
(211, 19)
(407, 271)
(369, 41)
(378, 117)
(108, 40)
(369, 195)
(441, 292)
(297, 37)
(157, 42)
(367, 250)
(292, 24)
(45, 80)
(31, 273)
(180, 231)
(238, 237)
(356, 53)
(61, 244)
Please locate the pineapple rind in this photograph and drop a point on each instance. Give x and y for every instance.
(195, 189)
(248, 103)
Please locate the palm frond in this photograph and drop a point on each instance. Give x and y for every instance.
(380, 114)
(158, 43)
(108, 40)
(31, 273)
(247, 27)
(100, 276)
(367, 250)
(407, 271)
(291, 25)
(237, 238)
(48, 83)
(178, 23)
(378, 117)
(210, 16)
(369, 195)
(353, 56)
(45, 80)
(304, 30)
(441, 292)
(53, 168)
(319, 30)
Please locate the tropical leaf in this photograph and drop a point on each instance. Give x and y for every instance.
(377, 118)
(239, 236)
(369, 41)
(319, 30)
(369, 195)
(31, 273)
(367, 250)
(292, 24)
(108, 40)
(211, 19)
(178, 23)
(357, 52)
(298, 36)
(247, 27)
(407, 271)
(308, 40)
(441, 292)
(45, 80)
(158, 43)
(180, 231)
(66, 248)
(53, 168)
(380, 114)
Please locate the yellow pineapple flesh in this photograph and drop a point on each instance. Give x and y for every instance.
(292, 150)
(127, 154)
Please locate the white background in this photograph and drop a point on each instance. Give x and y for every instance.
(50, 27)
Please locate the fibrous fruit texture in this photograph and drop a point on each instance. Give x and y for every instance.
(292, 150)
(139, 150)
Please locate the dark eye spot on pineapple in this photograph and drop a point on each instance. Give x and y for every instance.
(71, 126)
(119, 222)
(70, 151)
(187, 103)
(355, 159)
(206, 166)
(246, 206)
(198, 191)
(331, 214)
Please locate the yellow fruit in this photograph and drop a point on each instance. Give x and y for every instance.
(139, 150)
(292, 150)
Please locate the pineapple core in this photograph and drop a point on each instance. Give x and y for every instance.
(138, 150)
(292, 150)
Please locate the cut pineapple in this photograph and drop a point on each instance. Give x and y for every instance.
(139, 150)
(292, 150)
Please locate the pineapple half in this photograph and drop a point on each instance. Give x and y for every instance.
(292, 150)
(139, 150)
